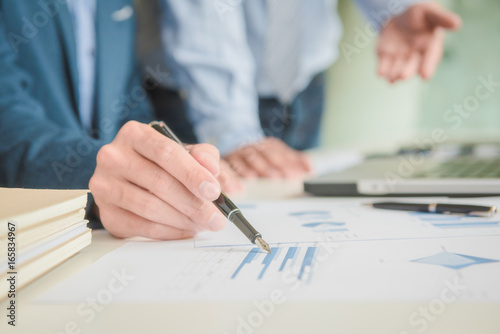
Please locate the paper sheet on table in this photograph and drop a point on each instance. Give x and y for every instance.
(396, 256)
(345, 220)
(461, 269)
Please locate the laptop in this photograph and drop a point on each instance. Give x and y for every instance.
(447, 170)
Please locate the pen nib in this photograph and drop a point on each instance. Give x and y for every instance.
(262, 244)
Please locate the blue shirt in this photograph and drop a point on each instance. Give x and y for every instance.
(215, 52)
(83, 13)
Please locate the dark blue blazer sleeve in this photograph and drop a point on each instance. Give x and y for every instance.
(34, 151)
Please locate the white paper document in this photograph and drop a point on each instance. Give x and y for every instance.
(402, 270)
(341, 220)
(334, 250)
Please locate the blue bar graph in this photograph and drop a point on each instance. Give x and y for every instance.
(292, 257)
(267, 261)
(289, 256)
(247, 260)
(308, 260)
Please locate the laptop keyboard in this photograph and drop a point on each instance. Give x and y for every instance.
(463, 167)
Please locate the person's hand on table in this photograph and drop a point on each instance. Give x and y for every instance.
(147, 185)
(412, 42)
(270, 158)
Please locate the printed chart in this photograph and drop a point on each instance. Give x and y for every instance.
(330, 220)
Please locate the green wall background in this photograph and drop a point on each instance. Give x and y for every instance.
(365, 112)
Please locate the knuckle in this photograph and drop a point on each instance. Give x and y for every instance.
(131, 131)
(210, 149)
(107, 156)
(98, 187)
(161, 182)
(109, 222)
(103, 155)
(119, 196)
(192, 176)
(131, 165)
(130, 128)
(94, 184)
(166, 151)
(148, 208)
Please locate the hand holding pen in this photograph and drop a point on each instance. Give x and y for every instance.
(223, 203)
(146, 185)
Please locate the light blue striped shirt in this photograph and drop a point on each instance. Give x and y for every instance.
(215, 52)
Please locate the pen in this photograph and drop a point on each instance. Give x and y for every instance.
(449, 209)
(223, 203)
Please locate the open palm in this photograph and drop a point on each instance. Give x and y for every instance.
(412, 42)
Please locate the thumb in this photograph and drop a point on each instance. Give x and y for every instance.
(437, 16)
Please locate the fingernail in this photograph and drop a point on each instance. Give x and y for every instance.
(212, 164)
(216, 222)
(209, 190)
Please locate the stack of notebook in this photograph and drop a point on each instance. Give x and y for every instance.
(39, 229)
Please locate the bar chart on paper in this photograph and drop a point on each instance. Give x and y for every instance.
(216, 269)
(378, 270)
(282, 258)
(165, 272)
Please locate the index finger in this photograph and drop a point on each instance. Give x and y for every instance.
(173, 158)
(440, 17)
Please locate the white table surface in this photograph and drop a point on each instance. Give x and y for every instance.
(222, 317)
